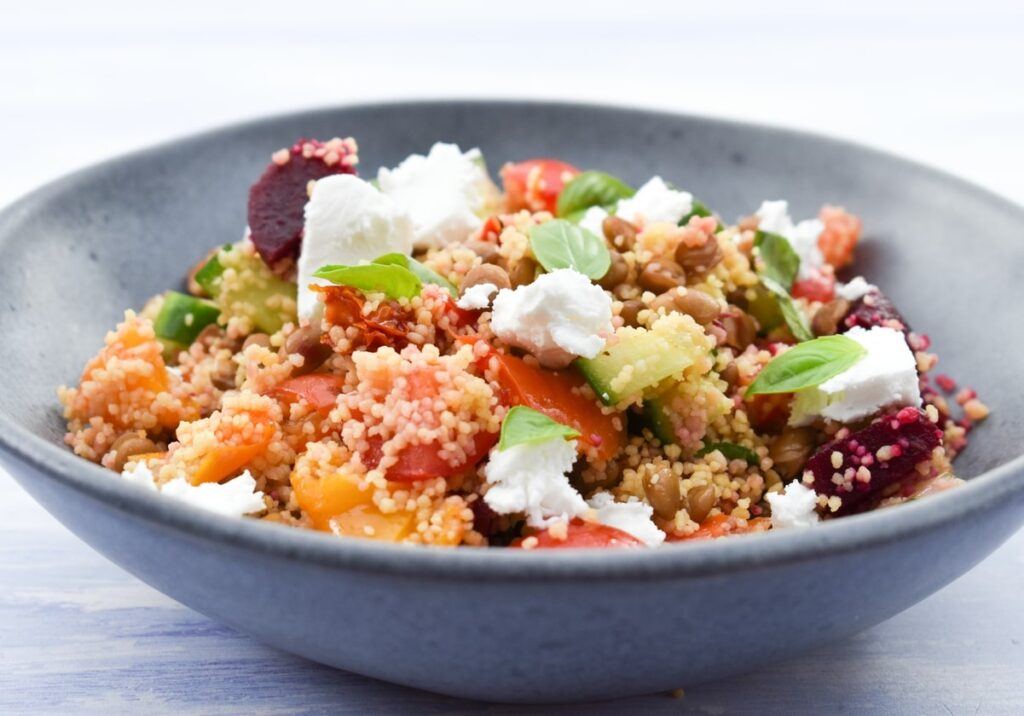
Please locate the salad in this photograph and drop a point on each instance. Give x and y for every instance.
(569, 360)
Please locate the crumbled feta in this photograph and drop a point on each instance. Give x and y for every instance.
(237, 496)
(794, 507)
(477, 297)
(531, 478)
(855, 289)
(633, 517)
(347, 222)
(655, 202)
(885, 377)
(774, 218)
(559, 316)
(138, 473)
(445, 192)
(592, 220)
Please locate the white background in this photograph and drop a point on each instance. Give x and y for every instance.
(939, 82)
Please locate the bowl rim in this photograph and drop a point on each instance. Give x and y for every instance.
(695, 559)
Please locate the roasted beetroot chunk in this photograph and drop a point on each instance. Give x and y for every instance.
(874, 309)
(859, 465)
(277, 200)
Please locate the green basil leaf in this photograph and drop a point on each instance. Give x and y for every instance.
(558, 244)
(424, 274)
(781, 263)
(391, 279)
(807, 365)
(524, 426)
(792, 315)
(731, 451)
(591, 188)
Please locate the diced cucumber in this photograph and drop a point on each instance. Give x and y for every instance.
(637, 359)
(182, 317)
(247, 288)
(659, 420)
(209, 273)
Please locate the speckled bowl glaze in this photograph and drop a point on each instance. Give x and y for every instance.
(503, 624)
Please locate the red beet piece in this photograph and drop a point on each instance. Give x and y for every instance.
(277, 200)
(889, 450)
(874, 309)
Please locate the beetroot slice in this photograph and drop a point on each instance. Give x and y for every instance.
(874, 309)
(885, 452)
(277, 200)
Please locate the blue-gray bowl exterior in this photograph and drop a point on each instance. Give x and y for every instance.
(502, 624)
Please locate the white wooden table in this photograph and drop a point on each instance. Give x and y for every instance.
(83, 81)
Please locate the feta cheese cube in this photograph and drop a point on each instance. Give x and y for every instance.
(885, 377)
(855, 289)
(793, 507)
(445, 192)
(238, 496)
(633, 517)
(531, 478)
(347, 222)
(655, 202)
(477, 297)
(559, 316)
(592, 220)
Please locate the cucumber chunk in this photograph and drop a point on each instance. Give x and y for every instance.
(182, 317)
(246, 288)
(636, 360)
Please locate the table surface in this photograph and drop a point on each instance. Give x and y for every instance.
(83, 81)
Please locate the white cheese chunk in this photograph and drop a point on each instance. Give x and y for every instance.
(531, 478)
(592, 220)
(774, 218)
(347, 222)
(632, 517)
(559, 316)
(445, 192)
(885, 377)
(794, 507)
(477, 297)
(855, 289)
(655, 202)
(238, 496)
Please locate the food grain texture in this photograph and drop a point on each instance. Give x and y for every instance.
(382, 413)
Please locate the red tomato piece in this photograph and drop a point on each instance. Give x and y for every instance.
(423, 462)
(556, 394)
(582, 535)
(320, 390)
(820, 286)
(536, 183)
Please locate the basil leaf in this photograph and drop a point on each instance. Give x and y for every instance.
(525, 426)
(781, 263)
(559, 244)
(424, 274)
(807, 365)
(794, 318)
(731, 451)
(591, 188)
(391, 279)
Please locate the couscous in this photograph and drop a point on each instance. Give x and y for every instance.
(567, 361)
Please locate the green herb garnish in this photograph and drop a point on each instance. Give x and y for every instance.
(391, 279)
(524, 426)
(781, 263)
(591, 188)
(807, 365)
(424, 274)
(558, 244)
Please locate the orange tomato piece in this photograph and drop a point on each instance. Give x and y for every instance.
(556, 394)
(583, 534)
(368, 522)
(840, 235)
(335, 503)
(536, 183)
(319, 390)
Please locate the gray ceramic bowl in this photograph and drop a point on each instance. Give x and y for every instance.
(503, 624)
